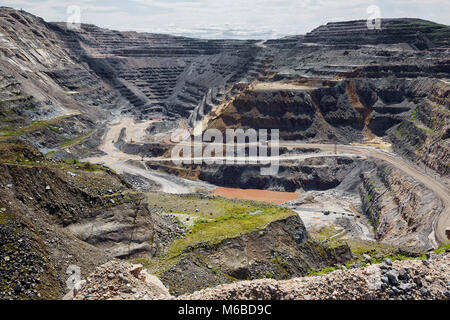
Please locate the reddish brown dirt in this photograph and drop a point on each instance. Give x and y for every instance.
(257, 195)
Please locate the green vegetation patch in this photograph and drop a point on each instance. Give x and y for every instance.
(33, 126)
(316, 273)
(378, 252)
(3, 218)
(214, 219)
(77, 140)
(326, 233)
(232, 224)
(442, 248)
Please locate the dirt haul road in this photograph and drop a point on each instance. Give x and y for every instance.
(122, 162)
(441, 190)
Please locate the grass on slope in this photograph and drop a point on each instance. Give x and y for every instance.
(33, 126)
(228, 226)
(76, 140)
(215, 219)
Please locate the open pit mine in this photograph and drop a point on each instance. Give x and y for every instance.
(93, 207)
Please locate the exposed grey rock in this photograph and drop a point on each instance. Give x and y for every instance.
(403, 275)
(424, 291)
(367, 257)
(388, 261)
(392, 276)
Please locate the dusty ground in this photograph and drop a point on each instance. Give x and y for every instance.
(256, 195)
(279, 86)
(332, 209)
(131, 164)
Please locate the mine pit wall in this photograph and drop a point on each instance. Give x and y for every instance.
(320, 114)
(342, 111)
(321, 173)
(140, 149)
(401, 210)
(425, 136)
(412, 114)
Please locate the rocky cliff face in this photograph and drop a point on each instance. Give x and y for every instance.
(53, 215)
(423, 137)
(302, 113)
(401, 210)
(57, 214)
(59, 89)
(279, 250)
(340, 111)
(309, 174)
(313, 173)
(47, 95)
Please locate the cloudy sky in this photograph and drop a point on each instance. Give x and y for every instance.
(261, 19)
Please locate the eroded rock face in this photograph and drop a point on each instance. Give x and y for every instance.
(159, 74)
(53, 216)
(36, 250)
(309, 174)
(401, 209)
(424, 136)
(300, 114)
(127, 230)
(280, 250)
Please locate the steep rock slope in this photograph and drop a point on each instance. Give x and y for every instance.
(57, 214)
(279, 250)
(54, 215)
(159, 74)
(402, 211)
(44, 84)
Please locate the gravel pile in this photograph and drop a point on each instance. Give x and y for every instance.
(401, 280)
(119, 280)
(23, 268)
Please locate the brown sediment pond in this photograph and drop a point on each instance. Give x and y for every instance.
(256, 195)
